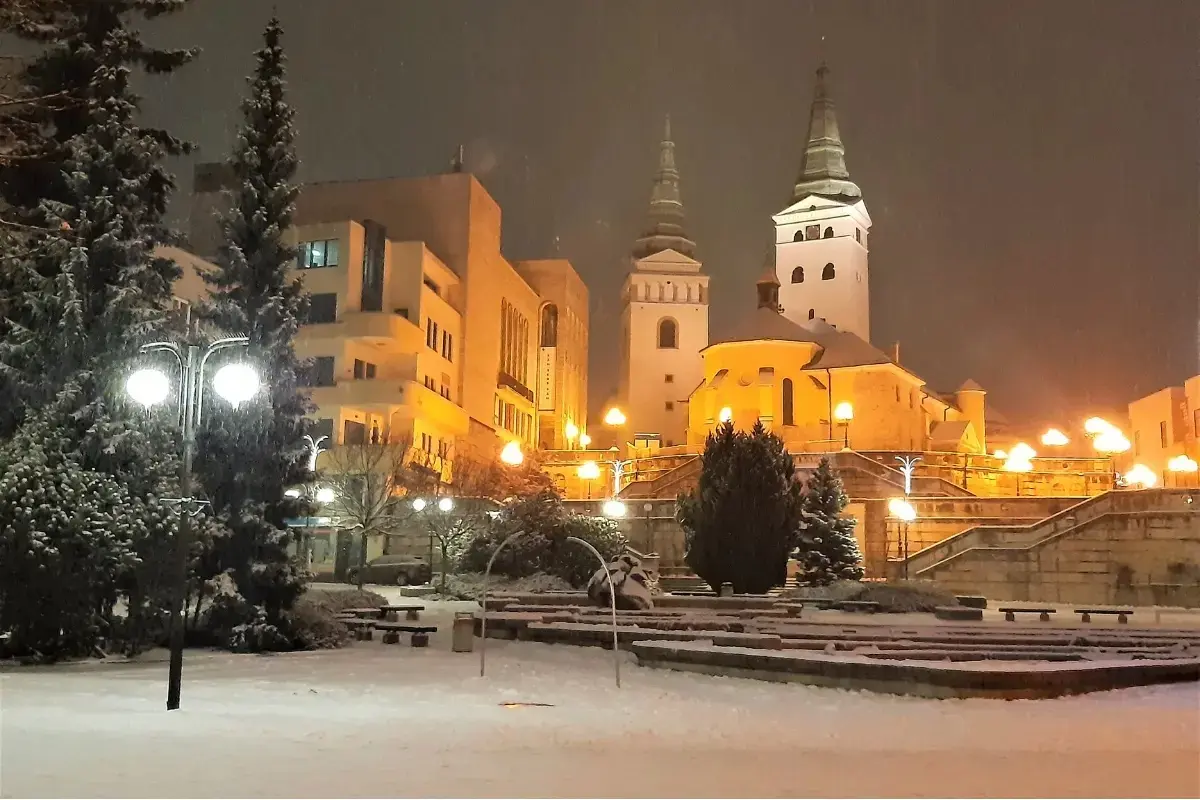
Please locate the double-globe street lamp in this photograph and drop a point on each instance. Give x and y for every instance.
(236, 383)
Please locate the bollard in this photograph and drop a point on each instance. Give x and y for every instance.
(463, 632)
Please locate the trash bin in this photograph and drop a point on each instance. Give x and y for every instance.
(463, 633)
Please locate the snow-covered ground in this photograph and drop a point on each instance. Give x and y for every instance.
(375, 720)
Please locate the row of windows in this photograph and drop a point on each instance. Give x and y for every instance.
(811, 232)
(443, 388)
(321, 372)
(514, 343)
(317, 254)
(443, 447)
(827, 274)
(512, 419)
(364, 370)
(432, 340)
(669, 293)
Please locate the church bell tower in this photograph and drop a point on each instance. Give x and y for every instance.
(821, 243)
(664, 318)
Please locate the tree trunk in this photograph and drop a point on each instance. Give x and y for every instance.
(362, 561)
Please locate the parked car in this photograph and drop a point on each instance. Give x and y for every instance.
(393, 569)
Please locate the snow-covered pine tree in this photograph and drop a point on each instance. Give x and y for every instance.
(253, 456)
(741, 521)
(86, 289)
(827, 550)
(83, 148)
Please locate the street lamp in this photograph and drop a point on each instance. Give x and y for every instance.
(1107, 440)
(614, 418)
(904, 513)
(237, 383)
(1181, 464)
(512, 455)
(584, 441)
(726, 415)
(907, 465)
(1142, 476)
(589, 471)
(571, 431)
(1055, 438)
(445, 505)
(844, 414)
(325, 495)
(614, 508)
(618, 469)
(1018, 460)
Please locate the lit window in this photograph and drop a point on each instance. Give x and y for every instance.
(317, 254)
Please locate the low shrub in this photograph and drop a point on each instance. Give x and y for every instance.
(544, 547)
(335, 600)
(469, 585)
(312, 627)
(903, 597)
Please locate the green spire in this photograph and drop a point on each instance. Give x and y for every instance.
(664, 229)
(823, 171)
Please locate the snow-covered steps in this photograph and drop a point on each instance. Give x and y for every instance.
(895, 675)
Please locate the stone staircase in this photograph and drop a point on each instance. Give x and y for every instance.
(1095, 538)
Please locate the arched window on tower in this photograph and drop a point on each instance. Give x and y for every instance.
(828, 233)
(798, 275)
(812, 313)
(828, 273)
(788, 416)
(799, 237)
(668, 334)
(550, 325)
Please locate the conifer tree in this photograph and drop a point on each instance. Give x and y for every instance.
(741, 521)
(827, 549)
(253, 456)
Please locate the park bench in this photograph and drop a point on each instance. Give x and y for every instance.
(964, 613)
(365, 613)
(866, 606)
(361, 628)
(971, 601)
(411, 611)
(1122, 614)
(1011, 612)
(392, 630)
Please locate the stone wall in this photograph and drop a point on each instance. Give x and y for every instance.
(1142, 549)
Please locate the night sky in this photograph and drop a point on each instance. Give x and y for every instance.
(1031, 167)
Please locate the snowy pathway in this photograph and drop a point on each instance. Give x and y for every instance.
(392, 721)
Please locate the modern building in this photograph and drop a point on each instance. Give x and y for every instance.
(562, 351)
(419, 329)
(1164, 426)
(664, 318)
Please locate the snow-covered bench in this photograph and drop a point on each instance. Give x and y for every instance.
(392, 630)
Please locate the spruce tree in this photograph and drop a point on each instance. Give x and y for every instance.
(84, 290)
(827, 549)
(741, 521)
(251, 457)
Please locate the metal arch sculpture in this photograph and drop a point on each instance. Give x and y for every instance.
(612, 599)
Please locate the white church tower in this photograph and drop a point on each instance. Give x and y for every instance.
(821, 238)
(664, 321)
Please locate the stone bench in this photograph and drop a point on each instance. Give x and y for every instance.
(363, 629)
(1122, 614)
(865, 606)
(971, 601)
(411, 611)
(969, 613)
(1010, 613)
(392, 631)
(365, 613)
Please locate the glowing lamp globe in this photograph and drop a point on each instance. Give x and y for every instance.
(148, 387)
(614, 417)
(584, 440)
(512, 455)
(726, 414)
(418, 504)
(902, 509)
(1182, 464)
(326, 495)
(589, 470)
(237, 383)
(292, 493)
(445, 504)
(1096, 426)
(1055, 438)
(1141, 475)
(571, 430)
(844, 412)
(614, 508)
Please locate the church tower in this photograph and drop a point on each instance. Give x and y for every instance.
(664, 319)
(821, 238)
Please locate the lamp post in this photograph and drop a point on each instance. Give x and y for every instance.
(844, 414)
(618, 470)
(1107, 440)
(589, 471)
(571, 432)
(445, 505)
(904, 513)
(1180, 465)
(237, 383)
